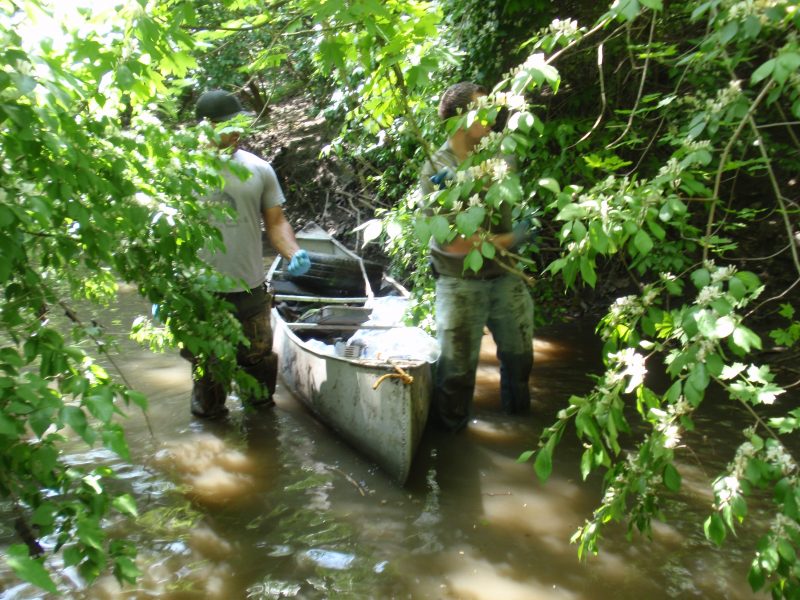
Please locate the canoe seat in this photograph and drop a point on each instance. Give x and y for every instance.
(336, 315)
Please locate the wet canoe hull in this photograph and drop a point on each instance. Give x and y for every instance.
(385, 424)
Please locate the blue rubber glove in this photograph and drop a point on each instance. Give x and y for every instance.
(300, 263)
(440, 179)
(523, 233)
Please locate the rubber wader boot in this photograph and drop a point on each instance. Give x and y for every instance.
(208, 399)
(264, 372)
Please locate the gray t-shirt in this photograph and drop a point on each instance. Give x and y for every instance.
(450, 263)
(242, 258)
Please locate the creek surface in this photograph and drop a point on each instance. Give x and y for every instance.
(273, 505)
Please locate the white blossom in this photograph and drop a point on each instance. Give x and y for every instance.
(650, 296)
(511, 100)
(694, 145)
(727, 489)
(726, 96)
(671, 168)
(708, 294)
(633, 366)
(672, 435)
(777, 455)
(567, 27)
(783, 526)
(722, 273)
(705, 348)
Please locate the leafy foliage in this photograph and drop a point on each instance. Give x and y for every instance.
(646, 142)
(92, 185)
(710, 121)
(710, 114)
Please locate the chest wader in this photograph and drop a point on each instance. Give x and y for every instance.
(251, 309)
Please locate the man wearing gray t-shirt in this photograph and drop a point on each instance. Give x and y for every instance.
(253, 199)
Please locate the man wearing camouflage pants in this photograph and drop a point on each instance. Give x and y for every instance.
(257, 198)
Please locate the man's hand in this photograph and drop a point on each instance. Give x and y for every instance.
(299, 264)
(523, 233)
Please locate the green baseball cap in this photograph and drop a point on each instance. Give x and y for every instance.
(218, 106)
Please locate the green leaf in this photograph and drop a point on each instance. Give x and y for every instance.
(9, 427)
(714, 364)
(29, 569)
(488, 250)
(765, 70)
(752, 26)
(756, 577)
(714, 529)
(509, 190)
(671, 477)
(544, 462)
(737, 288)
(750, 280)
(45, 515)
(422, 229)
(137, 398)
(125, 78)
(101, 404)
(526, 456)
(728, 32)
(473, 260)
(469, 221)
(440, 229)
(698, 377)
(643, 242)
(587, 460)
(745, 339)
(785, 65)
(550, 184)
(787, 552)
(629, 9)
(587, 271)
(656, 230)
(571, 212)
(597, 237)
(126, 505)
(723, 327)
(677, 206)
(126, 570)
(701, 10)
(114, 440)
(652, 4)
(90, 533)
(722, 306)
(700, 278)
(75, 418)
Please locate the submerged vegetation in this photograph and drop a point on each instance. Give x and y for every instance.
(658, 151)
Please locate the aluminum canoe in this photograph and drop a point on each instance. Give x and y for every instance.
(379, 407)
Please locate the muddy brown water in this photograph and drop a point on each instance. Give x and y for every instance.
(273, 505)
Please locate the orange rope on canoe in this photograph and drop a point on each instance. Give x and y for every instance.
(400, 374)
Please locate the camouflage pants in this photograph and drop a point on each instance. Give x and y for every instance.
(251, 309)
(463, 308)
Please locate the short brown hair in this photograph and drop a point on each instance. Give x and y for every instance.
(458, 97)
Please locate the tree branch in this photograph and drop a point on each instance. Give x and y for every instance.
(724, 158)
(641, 88)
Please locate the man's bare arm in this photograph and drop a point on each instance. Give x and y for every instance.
(280, 232)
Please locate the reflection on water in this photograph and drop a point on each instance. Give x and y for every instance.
(272, 505)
